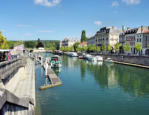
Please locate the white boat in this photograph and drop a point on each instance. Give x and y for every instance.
(92, 58)
(99, 58)
(108, 60)
(87, 56)
(95, 63)
(74, 54)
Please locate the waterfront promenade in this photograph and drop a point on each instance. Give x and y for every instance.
(22, 86)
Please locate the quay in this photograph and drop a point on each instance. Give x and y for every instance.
(130, 64)
(17, 87)
(53, 78)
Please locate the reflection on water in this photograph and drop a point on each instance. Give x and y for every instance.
(109, 75)
(94, 89)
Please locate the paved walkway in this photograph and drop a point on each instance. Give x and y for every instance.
(23, 85)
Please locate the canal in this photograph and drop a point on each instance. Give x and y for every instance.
(94, 89)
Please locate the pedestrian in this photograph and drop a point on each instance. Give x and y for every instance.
(46, 68)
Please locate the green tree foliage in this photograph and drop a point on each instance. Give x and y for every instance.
(67, 49)
(3, 42)
(97, 49)
(52, 48)
(148, 46)
(84, 48)
(61, 48)
(83, 36)
(109, 47)
(51, 44)
(138, 46)
(91, 48)
(127, 47)
(39, 43)
(117, 47)
(76, 45)
(12, 44)
(29, 44)
(104, 47)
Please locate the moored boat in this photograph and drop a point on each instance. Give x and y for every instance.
(108, 60)
(74, 54)
(55, 61)
(99, 58)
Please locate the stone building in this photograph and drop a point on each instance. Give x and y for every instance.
(68, 42)
(132, 36)
(91, 41)
(143, 38)
(107, 36)
(122, 36)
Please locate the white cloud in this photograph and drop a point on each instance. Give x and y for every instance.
(98, 23)
(44, 31)
(131, 2)
(23, 25)
(49, 3)
(115, 4)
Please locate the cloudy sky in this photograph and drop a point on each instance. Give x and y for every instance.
(56, 19)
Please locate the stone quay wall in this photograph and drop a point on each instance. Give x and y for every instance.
(139, 60)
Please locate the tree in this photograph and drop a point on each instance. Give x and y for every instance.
(76, 45)
(117, 47)
(30, 44)
(138, 46)
(83, 36)
(148, 46)
(97, 49)
(52, 48)
(109, 47)
(84, 48)
(127, 47)
(78, 49)
(91, 48)
(104, 47)
(3, 42)
(62, 48)
(71, 49)
(48, 44)
(39, 44)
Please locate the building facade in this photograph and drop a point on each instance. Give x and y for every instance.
(107, 36)
(68, 42)
(133, 36)
(91, 41)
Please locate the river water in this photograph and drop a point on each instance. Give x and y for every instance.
(94, 89)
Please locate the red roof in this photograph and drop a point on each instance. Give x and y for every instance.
(83, 43)
(146, 31)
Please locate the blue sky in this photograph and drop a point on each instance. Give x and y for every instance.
(56, 19)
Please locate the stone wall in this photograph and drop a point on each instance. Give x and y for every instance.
(140, 60)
